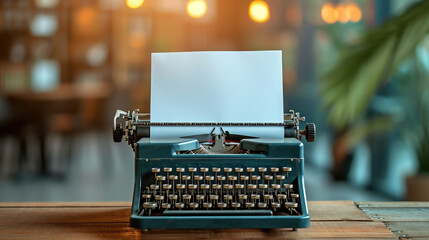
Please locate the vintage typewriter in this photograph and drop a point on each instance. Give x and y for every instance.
(217, 180)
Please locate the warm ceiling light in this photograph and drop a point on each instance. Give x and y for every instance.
(134, 3)
(196, 8)
(329, 13)
(259, 11)
(354, 12)
(343, 14)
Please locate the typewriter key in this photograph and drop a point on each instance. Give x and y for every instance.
(207, 205)
(294, 196)
(262, 169)
(166, 205)
(172, 197)
(216, 169)
(192, 169)
(239, 186)
(200, 197)
(204, 169)
(238, 169)
(198, 177)
(250, 205)
(193, 205)
(179, 205)
(160, 178)
(180, 169)
(287, 170)
(159, 197)
(279, 178)
(274, 169)
(262, 205)
(156, 170)
(250, 169)
(227, 186)
(220, 178)
(288, 187)
(222, 205)
(235, 205)
(186, 177)
(166, 186)
(282, 197)
(227, 169)
(275, 205)
(254, 197)
(146, 196)
(149, 206)
(205, 186)
(291, 204)
(227, 197)
(209, 178)
(154, 187)
(187, 196)
(244, 178)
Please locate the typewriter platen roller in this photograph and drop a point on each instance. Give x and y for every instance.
(217, 180)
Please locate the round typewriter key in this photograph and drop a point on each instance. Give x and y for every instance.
(205, 186)
(255, 196)
(200, 197)
(275, 186)
(216, 169)
(180, 186)
(227, 169)
(173, 177)
(180, 205)
(166, 205)
(154, 187)
(250, 169)
(146, 196)
(172, 197)
(222, 205)
(227, 186)
(274, 169)
(287, 169)
(168, 169)
(192, 169)
(262, 205)
(287, 186)
(256, 177)
(180, 169)
(192, 186)
(238, 169)
(268, 196)
(242, 196)
(251, 186)
(291, 204)
(280, 177)
(235, 204)
(150, 205)
(204, 169)
(239, 186)
(282, 197)
(186, 177)
(187, 196)
(159, 197)
(207, 205)
(214, 197)
(217, 186)
(262, 169)
(263, 186)
(220, 178)
(275, 205)
(166, 186)
(209, 178)
(268, 177)
(232, 178)
(198, 177)
(250, 205)
(156, 170)
(244, 178)
(193, 205)
(160, 178)
(294, 195)
(227, 197)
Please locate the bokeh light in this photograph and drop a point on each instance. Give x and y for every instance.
(329, 13)
(196, 8)
(354, 12)
(343, 14)
(259, 11)
(134, 3)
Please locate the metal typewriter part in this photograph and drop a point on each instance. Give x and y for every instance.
(217, 180)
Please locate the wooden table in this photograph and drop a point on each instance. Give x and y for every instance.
(108, 220)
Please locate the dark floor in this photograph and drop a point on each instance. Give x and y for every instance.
(101, 170)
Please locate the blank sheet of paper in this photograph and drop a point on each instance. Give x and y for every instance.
(226, 86)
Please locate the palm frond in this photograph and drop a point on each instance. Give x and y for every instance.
(350, 85)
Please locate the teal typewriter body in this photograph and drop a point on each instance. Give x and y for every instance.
(192, 183)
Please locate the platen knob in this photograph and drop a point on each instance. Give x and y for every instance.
(117, 134)
(310, 132)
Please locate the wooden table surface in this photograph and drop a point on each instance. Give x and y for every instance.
(109, 220)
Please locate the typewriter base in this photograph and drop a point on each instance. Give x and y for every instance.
(219, 222)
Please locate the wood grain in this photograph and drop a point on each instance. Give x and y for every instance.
(338, 219)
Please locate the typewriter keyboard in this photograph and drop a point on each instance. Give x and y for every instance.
(182, 190)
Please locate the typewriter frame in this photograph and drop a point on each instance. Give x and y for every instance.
(155, 153)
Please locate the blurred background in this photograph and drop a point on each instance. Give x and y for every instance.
(357, 68)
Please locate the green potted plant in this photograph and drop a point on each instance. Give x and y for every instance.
(389, 52)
